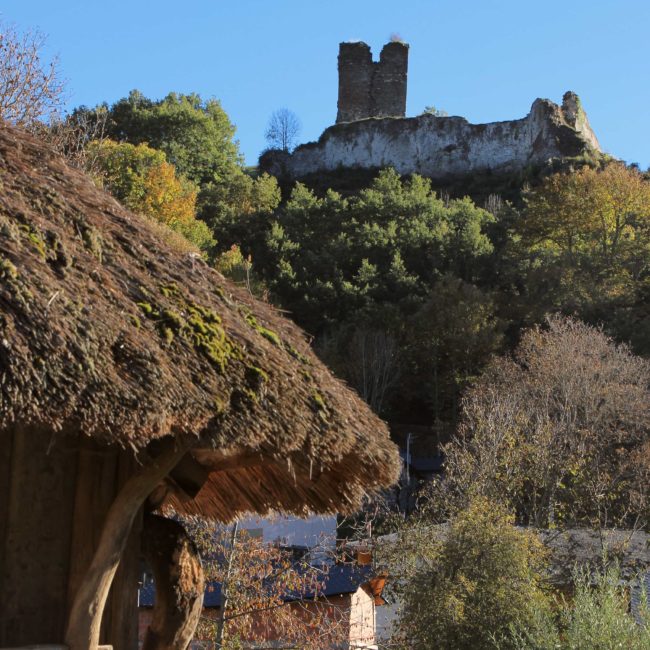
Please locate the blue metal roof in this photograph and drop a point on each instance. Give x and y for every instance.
(340, 579)
(424, 464)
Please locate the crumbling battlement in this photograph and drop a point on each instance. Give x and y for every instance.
(445, 147)
(368, 88)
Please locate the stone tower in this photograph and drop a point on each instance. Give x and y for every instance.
(368, 88)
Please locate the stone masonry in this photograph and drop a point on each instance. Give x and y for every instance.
(372, 133)
(445, 148)
(368, 88)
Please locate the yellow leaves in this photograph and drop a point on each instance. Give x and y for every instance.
(167, 198)
(232, 261)
(142, 179)
(145, 182)
(588, 209)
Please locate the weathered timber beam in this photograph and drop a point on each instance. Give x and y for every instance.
(180, 584)
(84, 620)
(215, 462)
(190, 475)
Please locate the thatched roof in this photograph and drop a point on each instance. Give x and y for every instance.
(107, 332)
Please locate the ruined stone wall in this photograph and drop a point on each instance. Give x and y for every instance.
(447, 147)
(368, 88)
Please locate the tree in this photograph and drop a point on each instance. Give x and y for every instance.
(237, 210)
(583, 241)
(597, 617)
(600, 617)
(373, 365)
(326, 258)
(467, 585)
(70, 136)
(283, 130)
(142, 179)
(367, 357)
(354, 270)
(255, 578)
(559, 432)
(239, 269)
(195, 135)
(605, 212)
(30, 90)
(448, 342)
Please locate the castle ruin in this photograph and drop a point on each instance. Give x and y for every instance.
(368, 88)
(372, 132)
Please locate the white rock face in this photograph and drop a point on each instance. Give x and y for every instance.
(442, 147)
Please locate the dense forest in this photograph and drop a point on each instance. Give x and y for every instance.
(406, 292)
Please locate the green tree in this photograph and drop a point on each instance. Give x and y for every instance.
(598, 617)
(142, 179)
(196, 136)
(326, 258)
(448, 342)
(468, 585)
(237, 211)
(355, 270)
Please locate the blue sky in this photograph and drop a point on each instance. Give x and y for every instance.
(486, 60)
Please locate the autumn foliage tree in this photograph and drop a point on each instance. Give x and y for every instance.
(239, 268)
(269, 599)
(197, 137)
(142, 179)
(581, 245)
(591, 210)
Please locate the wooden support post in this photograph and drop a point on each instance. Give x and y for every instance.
(180, 584)
(84, 621)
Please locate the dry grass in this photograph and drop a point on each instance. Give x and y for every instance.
(110, 331)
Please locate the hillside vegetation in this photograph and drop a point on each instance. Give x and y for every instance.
(407, 293)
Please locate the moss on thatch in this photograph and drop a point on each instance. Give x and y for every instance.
(107, 332)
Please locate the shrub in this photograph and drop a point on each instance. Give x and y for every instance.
(477, 586)
(598, 617)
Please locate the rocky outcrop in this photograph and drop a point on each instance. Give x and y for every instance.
(444, 147)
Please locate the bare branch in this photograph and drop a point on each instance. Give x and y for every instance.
(31, 90)
(283, 130)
